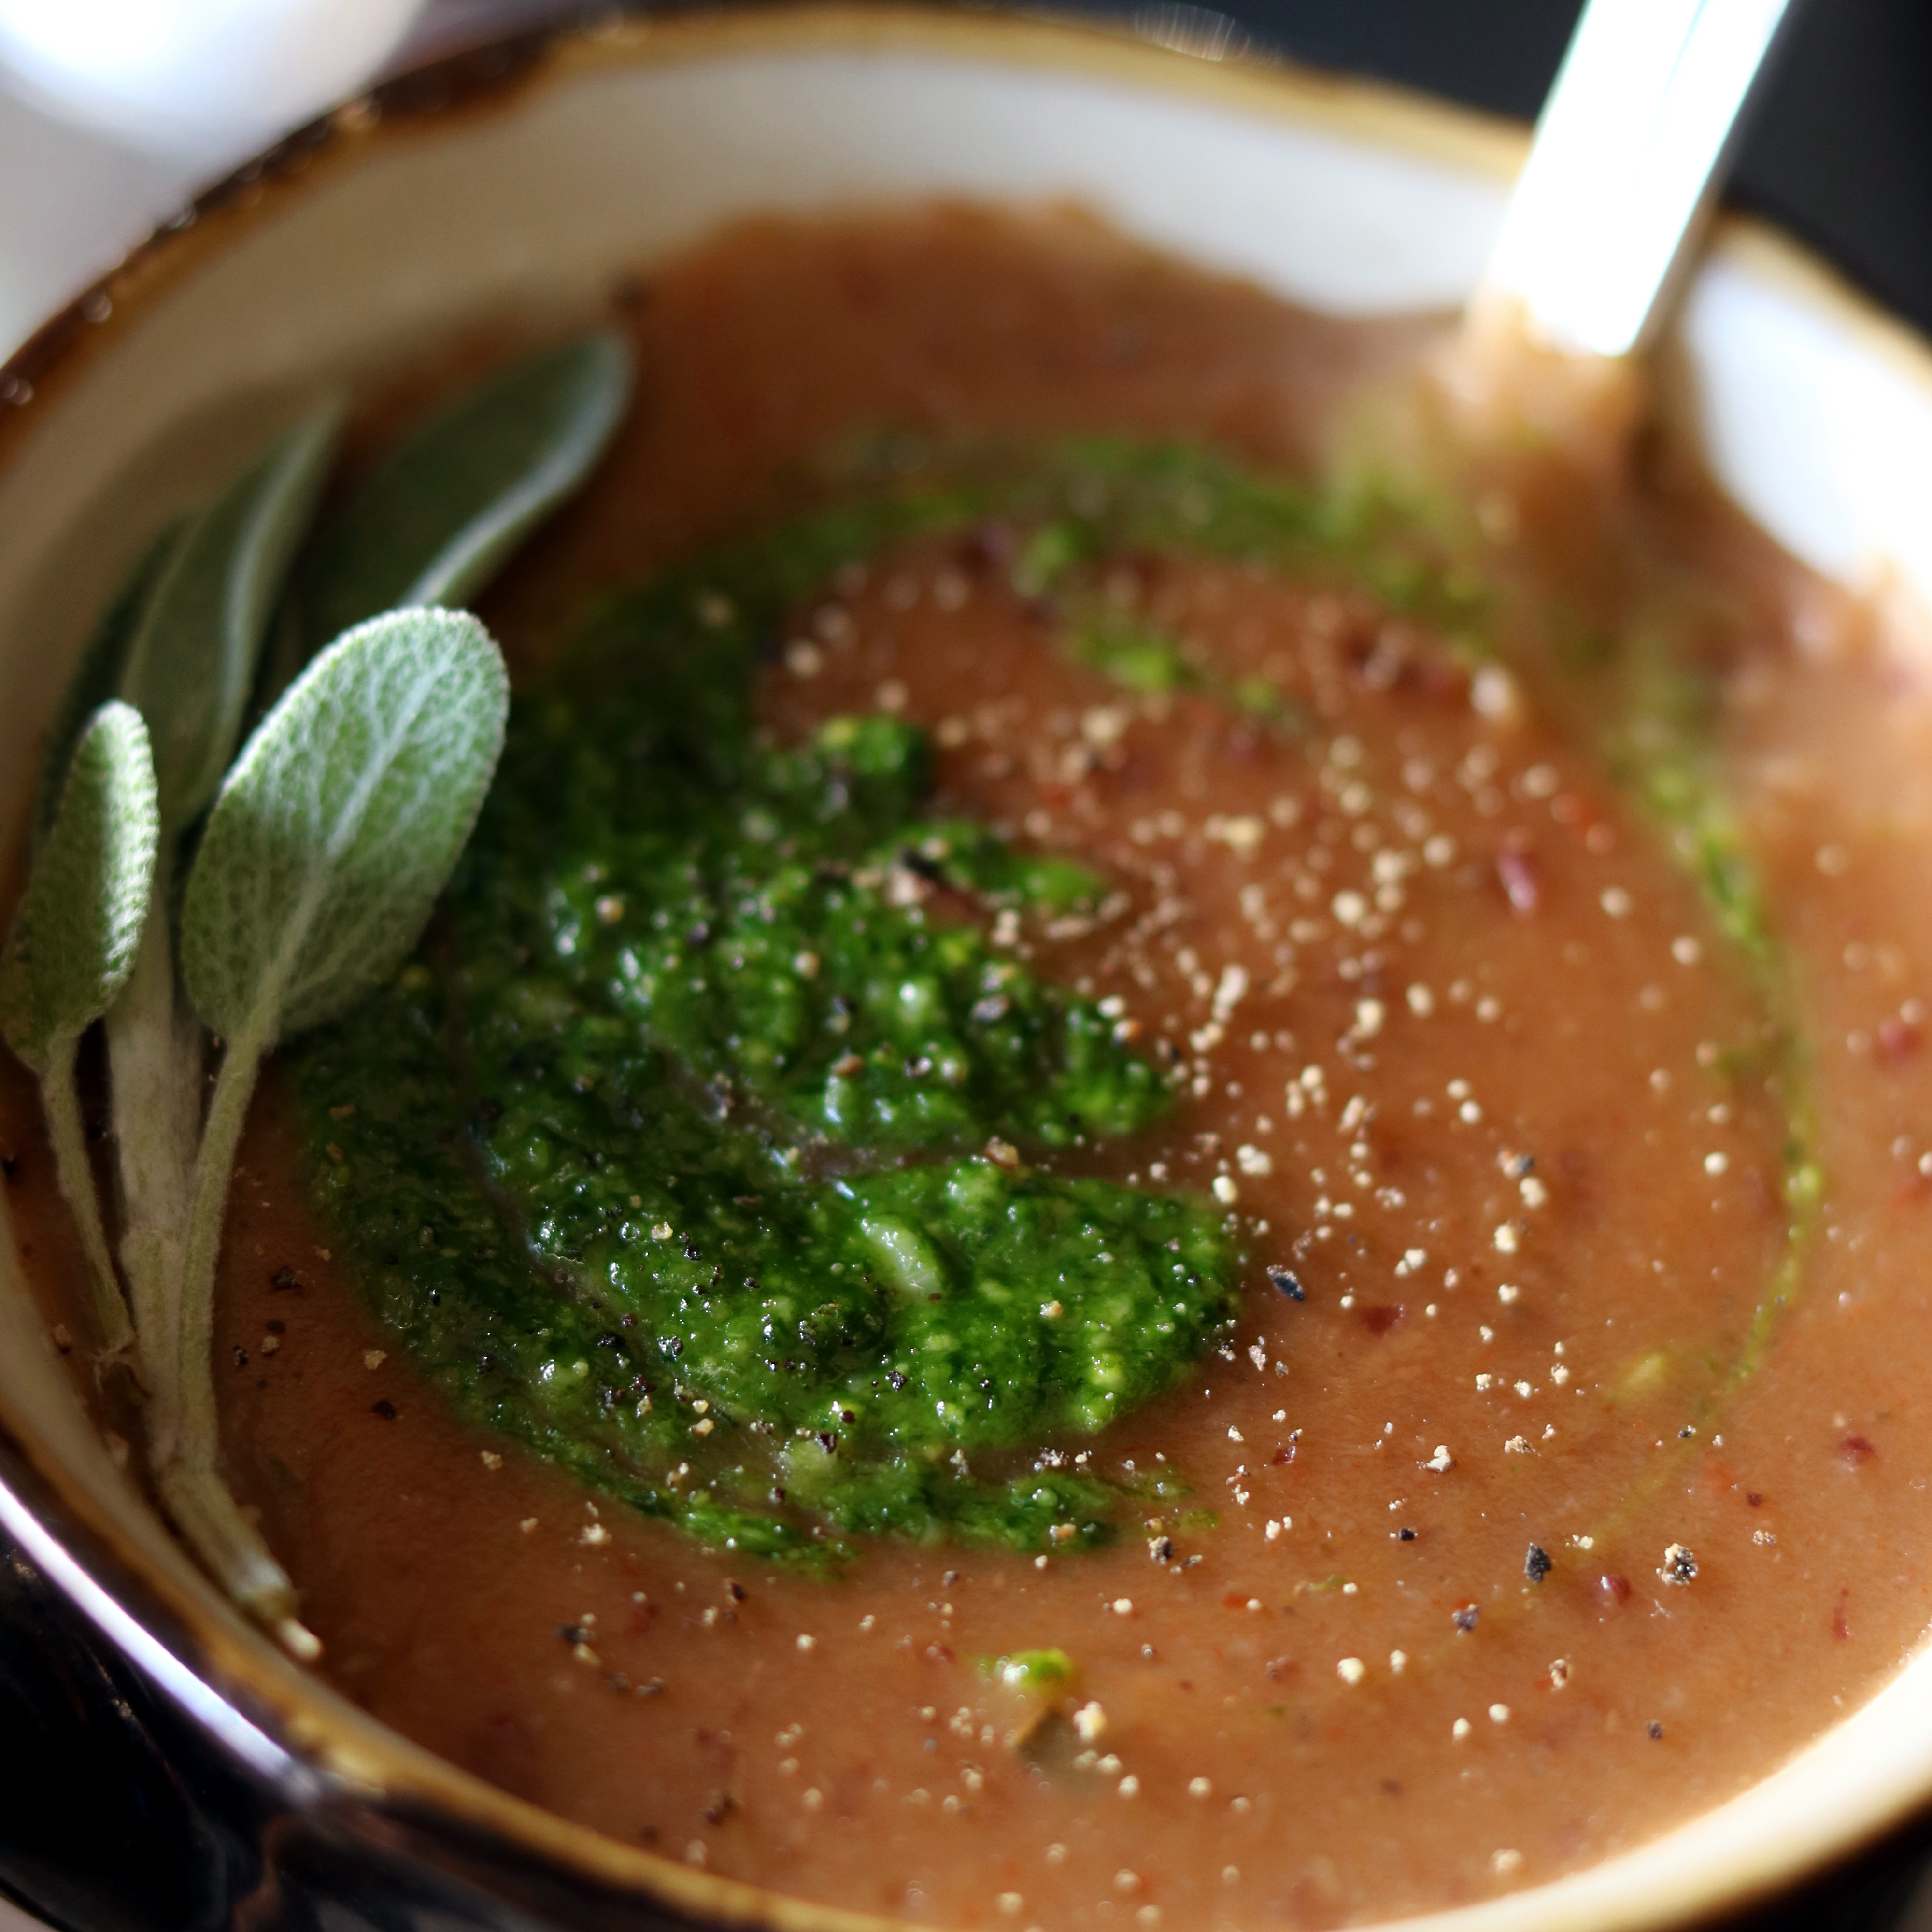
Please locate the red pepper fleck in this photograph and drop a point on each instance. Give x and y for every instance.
(1616, 1588)
(1379, 1317)
(1521, 879)
(1840, 1628)
(1898, 1039)
(1856, 1450)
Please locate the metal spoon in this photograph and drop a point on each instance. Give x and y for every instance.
(1629, 150)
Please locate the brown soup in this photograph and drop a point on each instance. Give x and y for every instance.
(1559, 1479)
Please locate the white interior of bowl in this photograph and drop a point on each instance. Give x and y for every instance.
(1815, 415)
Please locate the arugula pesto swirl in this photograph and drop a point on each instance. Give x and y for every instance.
(666, 1155)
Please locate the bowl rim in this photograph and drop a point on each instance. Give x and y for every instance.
(315, 1747)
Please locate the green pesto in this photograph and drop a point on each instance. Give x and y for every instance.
(1660, 738)
(716, 1145)
(1033, 1673)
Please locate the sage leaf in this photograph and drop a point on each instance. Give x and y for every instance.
(96, 678)
(340, 824)
(191, 660)
(71, 947)
(73, 938)
(436, 517)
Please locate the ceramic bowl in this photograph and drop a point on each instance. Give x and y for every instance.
(521, 181)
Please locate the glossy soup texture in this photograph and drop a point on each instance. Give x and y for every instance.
(1514, 884)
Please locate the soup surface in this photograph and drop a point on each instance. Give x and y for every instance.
(1167, 1160)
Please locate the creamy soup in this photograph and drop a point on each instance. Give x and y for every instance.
(1166, 1160)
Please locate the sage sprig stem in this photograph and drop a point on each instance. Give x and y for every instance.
(70, 951)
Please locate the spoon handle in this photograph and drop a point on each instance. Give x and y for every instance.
(1629, 148)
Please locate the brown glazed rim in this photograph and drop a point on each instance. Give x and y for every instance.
(338, 1758)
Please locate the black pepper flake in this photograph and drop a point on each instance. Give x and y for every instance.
(383, 1407)
(1537, 1564)
(241, 1357)
(573, 1634)
(1286, 1280)
(283, 1279)
(1466, 1619)
(1653, 1730)
(10, 1166)
(735, 1591)
(1406, 1535)
(1679, 1565)
(1161, 1549)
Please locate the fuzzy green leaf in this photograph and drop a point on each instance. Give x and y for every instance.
(79, 922)
(190, 663)
(437, 517)
(98, 676)
(340, 823)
